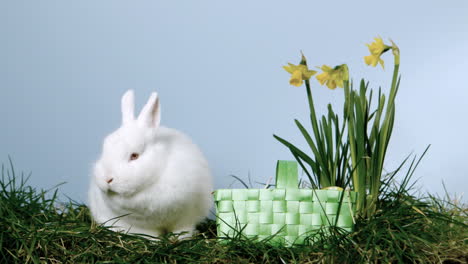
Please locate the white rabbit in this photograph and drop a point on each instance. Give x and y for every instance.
(149, 179)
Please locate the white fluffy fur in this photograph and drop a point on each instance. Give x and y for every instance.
(167, 189)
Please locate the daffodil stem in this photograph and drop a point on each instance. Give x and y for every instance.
(313, 117)
(385, 135)
(394, 87)
(309, 97)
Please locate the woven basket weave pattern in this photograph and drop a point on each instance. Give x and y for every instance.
(291, 214)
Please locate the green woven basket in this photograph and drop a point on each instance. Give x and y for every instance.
(285, 215)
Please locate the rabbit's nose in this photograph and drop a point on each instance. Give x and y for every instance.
(110, 180)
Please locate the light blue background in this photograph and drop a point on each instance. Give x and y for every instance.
(217, 68)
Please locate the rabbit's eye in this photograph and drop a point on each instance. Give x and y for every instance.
(134, 156)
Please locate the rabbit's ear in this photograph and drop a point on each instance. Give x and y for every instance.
(150, 114)
(128, 107)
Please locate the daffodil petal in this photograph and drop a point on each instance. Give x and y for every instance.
(382, 63)
(331, 84)
(309, 73)
(296, 78)
(288, 69)
(326, 68)
(368, 59)
(339, 83)
(322, 77)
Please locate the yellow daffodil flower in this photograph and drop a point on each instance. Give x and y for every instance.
(298, 73)
(333, 77)
(376, 48)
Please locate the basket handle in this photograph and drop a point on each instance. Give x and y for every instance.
(286, 174)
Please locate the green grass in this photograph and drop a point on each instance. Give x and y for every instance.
(36, 228)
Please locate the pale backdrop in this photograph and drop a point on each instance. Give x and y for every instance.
(217, 67)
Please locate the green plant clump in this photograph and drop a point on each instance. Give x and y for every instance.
(351, 152)
(36, 228)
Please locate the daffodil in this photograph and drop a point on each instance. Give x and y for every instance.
(299, 73)
(333, 77)
(376, 48)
